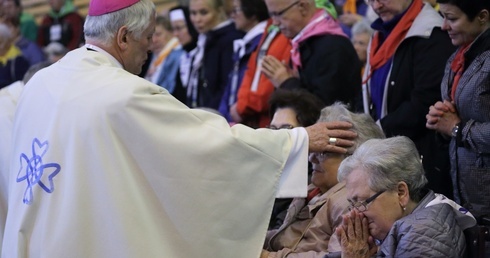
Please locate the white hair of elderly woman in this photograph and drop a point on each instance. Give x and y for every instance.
(362, 124)
(388, 162)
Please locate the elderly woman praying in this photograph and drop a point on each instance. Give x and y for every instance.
(392, 213)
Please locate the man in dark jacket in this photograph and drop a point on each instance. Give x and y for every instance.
(322, 56)
(62, 24)
(402, 78)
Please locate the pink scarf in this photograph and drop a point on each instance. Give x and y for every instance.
(320, 24)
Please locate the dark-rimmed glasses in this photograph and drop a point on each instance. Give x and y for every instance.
(280, 13)
(362, 206)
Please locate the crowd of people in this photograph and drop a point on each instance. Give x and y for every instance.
(26, 43)
(245, 128)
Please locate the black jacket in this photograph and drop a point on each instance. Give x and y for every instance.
(330, 70)
(217, 64)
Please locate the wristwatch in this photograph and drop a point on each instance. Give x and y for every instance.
(455, 130)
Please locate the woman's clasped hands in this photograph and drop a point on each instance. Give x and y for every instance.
(355, 240)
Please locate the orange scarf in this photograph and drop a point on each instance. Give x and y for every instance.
(349, 7)
(457, 66)
(379, 55)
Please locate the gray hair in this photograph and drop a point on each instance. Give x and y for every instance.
(5, 35)
(362, 124)
(362, 26)
(388, 162)
(104, 27)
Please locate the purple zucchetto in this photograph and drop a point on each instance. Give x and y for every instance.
(101, 7)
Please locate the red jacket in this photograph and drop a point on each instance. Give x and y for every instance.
(253, 107)
(71, 30)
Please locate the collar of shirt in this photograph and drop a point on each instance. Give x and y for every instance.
(102, 51)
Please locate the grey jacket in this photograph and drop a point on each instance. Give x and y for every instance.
(470, 152)
(434, 229)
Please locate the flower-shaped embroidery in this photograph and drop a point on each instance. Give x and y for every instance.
(32, 170)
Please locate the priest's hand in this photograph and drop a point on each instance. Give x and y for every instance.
(330, 136)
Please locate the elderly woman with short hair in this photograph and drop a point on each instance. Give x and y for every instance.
(390, 205)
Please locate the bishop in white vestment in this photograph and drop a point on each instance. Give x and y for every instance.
(107, 164)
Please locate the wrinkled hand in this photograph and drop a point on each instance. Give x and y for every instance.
(275, 70)
(442, 117)
(234, 114)
(355, 240)
(321, 132)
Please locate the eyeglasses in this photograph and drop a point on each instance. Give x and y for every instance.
(362, 206)
(284, 126)
(280, 13)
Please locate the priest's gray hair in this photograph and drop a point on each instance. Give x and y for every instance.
(362, 124)
(388, 162)
(103, 28)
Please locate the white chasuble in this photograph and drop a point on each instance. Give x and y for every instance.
(8, 101)
(106, 164)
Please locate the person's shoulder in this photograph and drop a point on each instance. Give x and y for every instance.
(229, 33)
(426, 22)
(430, 220)
(322, 41)
(432, 212)
(337, 196)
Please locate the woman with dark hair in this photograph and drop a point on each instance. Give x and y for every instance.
(250, 17)
(302, 107)
(464, 114)
(185, 32)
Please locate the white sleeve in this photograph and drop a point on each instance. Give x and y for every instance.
(294, 178)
